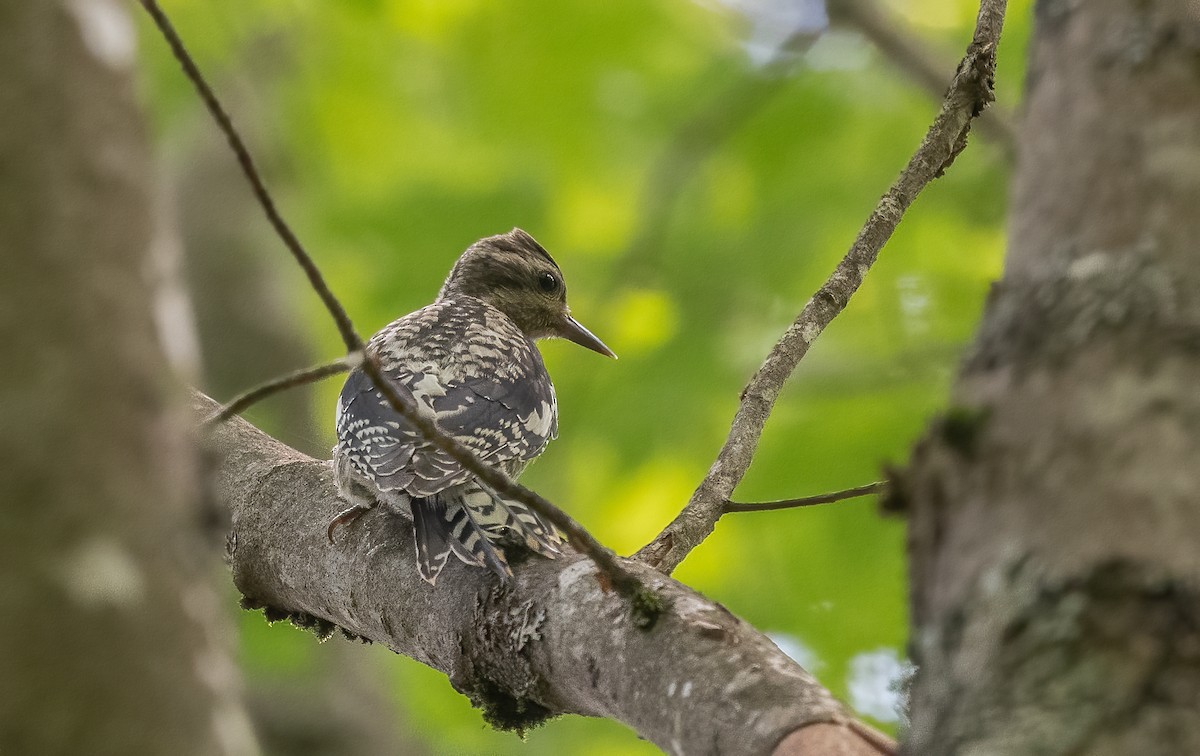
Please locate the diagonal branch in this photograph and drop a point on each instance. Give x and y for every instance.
(615, 574)
(969, 94)
(548, 642)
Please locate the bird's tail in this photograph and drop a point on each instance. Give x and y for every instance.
(442, 526)
(474, 524)
(508, 520)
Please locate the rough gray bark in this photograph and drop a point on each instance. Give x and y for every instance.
(111, 641)
(1055, 530)
(689, 676)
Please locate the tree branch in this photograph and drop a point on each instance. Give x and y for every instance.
(969, 94)
(614, 573)
(244, 401)
(549, 641)
(806, 501)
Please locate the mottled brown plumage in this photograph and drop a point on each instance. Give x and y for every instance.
(469, 361)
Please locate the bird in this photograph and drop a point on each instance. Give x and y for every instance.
(469, 362)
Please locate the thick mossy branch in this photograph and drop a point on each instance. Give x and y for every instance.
(550, 641)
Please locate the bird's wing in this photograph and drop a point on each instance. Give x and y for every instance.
(506, 421)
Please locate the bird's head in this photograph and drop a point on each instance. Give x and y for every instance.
(514, 274)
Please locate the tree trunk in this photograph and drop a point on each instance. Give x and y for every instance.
(112, 643)
(1055, 531)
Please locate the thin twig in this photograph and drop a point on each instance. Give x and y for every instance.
(969, 94)
(913, 56)
(604, 557)
(805, 501)
(242, 402)
(345, 328)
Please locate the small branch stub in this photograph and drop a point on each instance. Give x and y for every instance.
(805, 501)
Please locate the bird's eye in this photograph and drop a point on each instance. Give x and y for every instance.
(549, 282)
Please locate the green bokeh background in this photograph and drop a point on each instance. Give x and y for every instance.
(401, 131)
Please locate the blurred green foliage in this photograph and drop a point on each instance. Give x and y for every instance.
(408, 129)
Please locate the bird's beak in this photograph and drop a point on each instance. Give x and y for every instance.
(571, 330)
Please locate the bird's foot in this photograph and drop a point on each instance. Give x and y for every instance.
(346, 517)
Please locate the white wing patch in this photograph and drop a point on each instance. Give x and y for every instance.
(540, 420)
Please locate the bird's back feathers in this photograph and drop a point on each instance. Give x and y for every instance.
(467, 366)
